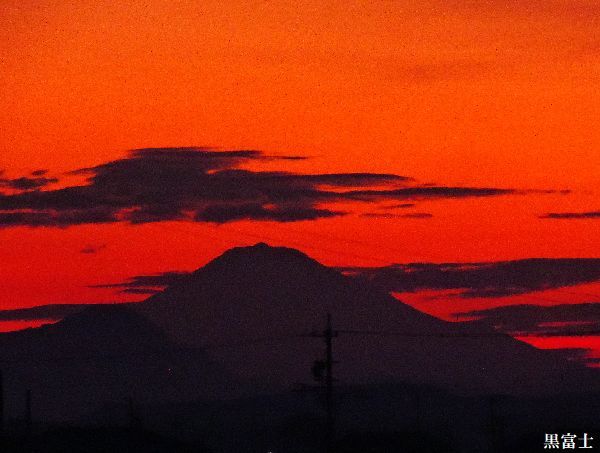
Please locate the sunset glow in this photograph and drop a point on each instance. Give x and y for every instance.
(501, 97)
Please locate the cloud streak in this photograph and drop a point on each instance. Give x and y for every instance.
(206, 185)
(147, 284)
(53, 312)
(557, 320)
(485, 280)
(37, 180)
(387, 215)
(572, 215)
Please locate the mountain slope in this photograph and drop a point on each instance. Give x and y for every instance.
(279, 295)
(104, 354)
(268, 291)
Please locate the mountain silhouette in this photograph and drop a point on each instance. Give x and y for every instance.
(254, 292)
(106, 354)
(245, 325)
(259, 291)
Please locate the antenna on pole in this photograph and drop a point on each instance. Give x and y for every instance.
(329, 334)
(323, 372)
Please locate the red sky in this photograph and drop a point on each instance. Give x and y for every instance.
(484, 94)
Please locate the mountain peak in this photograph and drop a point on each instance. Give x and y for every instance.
(261, 288)
(261, 245)
(264, 249)
(262, 256)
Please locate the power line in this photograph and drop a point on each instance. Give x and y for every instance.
(424, 335)
(265, 341)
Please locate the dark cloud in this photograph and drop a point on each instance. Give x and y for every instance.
(53, 218)
(572, 215)
(27, 183)
(293, 157)
(158, 212)
(226, 213)
(417, 215)
(354, 179)
(400, 206)
(148, 284)
(142, 291)
(386, 215)
(498, 279)
(557, 320)
(44, 312)
(427, 192)
(205, 185)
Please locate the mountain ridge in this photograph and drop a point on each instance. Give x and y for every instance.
(245, 325)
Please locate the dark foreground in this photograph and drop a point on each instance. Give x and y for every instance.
(383, 419)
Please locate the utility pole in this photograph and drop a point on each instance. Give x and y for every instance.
(323, 372)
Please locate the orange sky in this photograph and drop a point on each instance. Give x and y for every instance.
(494, 94)
(504, 93)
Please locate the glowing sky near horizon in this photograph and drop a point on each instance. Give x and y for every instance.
(457, 93)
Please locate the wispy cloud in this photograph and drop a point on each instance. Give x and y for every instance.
(147, 284)
(387, 215)
(572, 215)
(37, 180)
(494, 279)
(45, 312)
(557, 320)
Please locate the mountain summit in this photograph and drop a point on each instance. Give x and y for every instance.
(263, 254)
(262, 290)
